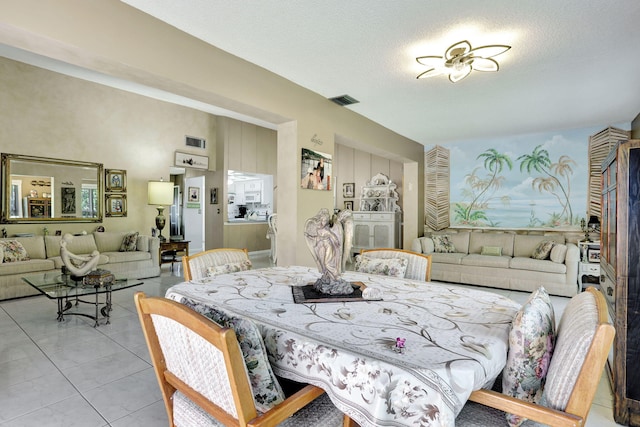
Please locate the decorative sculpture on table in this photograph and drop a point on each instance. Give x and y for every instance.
(330, 240)
(77, 265)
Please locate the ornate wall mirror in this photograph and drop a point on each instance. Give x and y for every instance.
(39, 189)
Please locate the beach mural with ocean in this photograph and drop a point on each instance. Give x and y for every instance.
(525, 181)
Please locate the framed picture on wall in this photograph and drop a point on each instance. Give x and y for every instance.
(593, 255)
(316, 170)
(214, 196)
(348, 190)
(116, 205)
(194, 194)
(115, 180)
(348, 205)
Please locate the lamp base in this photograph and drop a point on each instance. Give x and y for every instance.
(160, 222)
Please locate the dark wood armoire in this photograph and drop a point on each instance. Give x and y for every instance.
(620, 269)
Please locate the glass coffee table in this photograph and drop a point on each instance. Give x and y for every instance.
(66, 291)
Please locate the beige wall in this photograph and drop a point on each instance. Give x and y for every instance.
(113, 38)
(46, 114)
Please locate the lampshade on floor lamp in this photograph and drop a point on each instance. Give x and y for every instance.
(160, 194)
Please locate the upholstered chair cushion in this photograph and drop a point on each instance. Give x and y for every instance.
(395, 267)
(531, 342)
(266, 388)
(442, 243)
(543, 250)
(232, 267)
(575, 332)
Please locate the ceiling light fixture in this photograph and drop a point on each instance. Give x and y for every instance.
(460, 59)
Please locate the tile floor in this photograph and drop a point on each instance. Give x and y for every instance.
(71, 374)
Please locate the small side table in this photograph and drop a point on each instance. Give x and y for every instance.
(588, 269)
(169, 250)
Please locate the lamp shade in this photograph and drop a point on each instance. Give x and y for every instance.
(160, 193)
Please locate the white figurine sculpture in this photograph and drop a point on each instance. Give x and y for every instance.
(330, 239)
(77, 265)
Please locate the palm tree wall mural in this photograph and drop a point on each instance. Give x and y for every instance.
(505, 183)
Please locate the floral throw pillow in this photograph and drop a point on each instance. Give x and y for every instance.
(442, 243)
(232, 267)
(13, 251)
(531, 343)
(267, 391)
(543, 250)
(129, 242)
(395, 267)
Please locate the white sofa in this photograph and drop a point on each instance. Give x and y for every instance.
(513, 269)
(44, 256)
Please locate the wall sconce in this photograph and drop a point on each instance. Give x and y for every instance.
(160, 194)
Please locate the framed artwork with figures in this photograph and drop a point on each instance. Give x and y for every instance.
(348, 205)
(115, 180)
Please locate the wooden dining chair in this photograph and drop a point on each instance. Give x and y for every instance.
(215, 261)
(418, 265)
(203, 377)
(582, 346)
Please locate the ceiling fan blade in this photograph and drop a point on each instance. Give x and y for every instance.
(430, 73)
(485, 64)
(489, 51)
(458, 75)
(457, 49)
(430, 61)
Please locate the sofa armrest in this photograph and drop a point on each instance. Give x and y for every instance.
(416, 245)
(571, 260)
(153, 243)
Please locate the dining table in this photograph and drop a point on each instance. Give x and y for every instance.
(410, 356)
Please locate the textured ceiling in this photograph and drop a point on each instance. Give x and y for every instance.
(573, 63)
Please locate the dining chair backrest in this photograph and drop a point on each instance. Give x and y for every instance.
(418, 265)
(584, 339)
(203, 377)
(197, 266)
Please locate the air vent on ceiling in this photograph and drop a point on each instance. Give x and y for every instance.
(344, 100)
(191, 141)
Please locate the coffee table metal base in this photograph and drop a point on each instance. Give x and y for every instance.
(65, 304)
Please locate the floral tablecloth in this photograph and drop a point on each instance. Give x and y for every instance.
(456, 340)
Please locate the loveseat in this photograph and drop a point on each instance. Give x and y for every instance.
(503, 260)
(43, 254)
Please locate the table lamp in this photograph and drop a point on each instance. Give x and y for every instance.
(160, 194)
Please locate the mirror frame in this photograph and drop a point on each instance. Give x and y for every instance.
(6, 188)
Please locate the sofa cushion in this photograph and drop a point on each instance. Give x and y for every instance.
(486, 261)
(546, 266)
(395, 267)
(531, 341)
(109, 241)
(558, 253)
(116, 257)
(443, 244)
(491, 250)
(452, 258)
(34, 246)
(503, 240)
(426, 244)
(79, 245)
(543, 250)
(460, 240)
(525, 244)
(129, 242)
(13, 251)
(26, 267)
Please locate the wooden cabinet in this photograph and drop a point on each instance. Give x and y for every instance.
(376, 230)
(620, 280)
(39, 207)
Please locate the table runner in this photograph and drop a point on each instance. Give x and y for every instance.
(456, 340)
